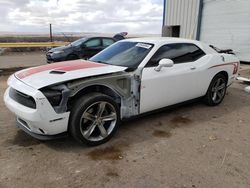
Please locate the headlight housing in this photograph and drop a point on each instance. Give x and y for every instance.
(53, 96)
(57, 96)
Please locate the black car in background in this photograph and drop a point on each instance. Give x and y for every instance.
(83, 48)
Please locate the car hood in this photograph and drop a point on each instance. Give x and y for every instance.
(41, 76)
(61, 48)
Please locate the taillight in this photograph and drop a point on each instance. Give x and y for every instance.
(236, 67)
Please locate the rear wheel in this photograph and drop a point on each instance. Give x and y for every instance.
(94, 119)
(217, 90)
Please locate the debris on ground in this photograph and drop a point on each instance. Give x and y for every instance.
(247, 81)
(243, 79)
(212, 137)
(247, 89)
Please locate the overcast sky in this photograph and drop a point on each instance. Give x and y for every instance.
(134, 16)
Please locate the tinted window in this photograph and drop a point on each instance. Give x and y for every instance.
(179, 53)
(107, 42)
(78, 42)
(128, 54)
(93, 43)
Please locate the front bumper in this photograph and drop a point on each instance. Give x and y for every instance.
(22, 126)
(54, 58)
(43, 120)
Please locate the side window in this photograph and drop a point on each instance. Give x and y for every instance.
(179, 53)
(93, 43)
(107, 42)
(161, 53)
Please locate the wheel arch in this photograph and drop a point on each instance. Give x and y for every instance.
(100, 88)
(224, 73)
(72, 54)
(208, 99)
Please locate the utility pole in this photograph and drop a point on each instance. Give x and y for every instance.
(50, 31)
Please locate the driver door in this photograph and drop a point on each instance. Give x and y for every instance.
(171, 85)
(92, 47)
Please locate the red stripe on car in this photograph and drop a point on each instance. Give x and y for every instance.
(62, 66)
(235, 64)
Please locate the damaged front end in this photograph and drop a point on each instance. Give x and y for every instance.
(123, 87)
(57, 96)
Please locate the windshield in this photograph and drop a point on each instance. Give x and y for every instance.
(127, 54)
(78, 42)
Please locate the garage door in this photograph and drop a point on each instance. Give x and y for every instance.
(226, 24)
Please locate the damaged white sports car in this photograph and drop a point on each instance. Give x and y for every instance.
(88, 99)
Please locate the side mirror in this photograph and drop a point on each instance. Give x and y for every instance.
(164, 63)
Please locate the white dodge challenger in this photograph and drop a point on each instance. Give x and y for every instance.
(88, 99)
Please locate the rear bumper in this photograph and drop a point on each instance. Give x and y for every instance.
(43, 120)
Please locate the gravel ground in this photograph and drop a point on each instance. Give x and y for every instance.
(189, 146)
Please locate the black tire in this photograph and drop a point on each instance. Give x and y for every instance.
(89, 105)
(72, 57)
(211, 98)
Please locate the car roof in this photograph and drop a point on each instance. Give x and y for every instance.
(94, 37)
(162, 40)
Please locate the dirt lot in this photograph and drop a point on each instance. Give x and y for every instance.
(22, 59)
(190, 146)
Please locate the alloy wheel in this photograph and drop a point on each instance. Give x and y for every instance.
(98, 121)
(218, 90)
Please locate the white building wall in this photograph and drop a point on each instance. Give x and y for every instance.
(183, 13)
(226, 24)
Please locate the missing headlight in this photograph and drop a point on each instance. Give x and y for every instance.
(53, 96)
(57, 96)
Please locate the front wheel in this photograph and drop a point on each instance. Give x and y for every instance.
(216, 91)
(94, 119)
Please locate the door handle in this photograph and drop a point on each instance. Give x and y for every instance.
(192, 68)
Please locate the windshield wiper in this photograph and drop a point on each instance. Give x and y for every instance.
(103, 62)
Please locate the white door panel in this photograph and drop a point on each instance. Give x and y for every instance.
(169, 86)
